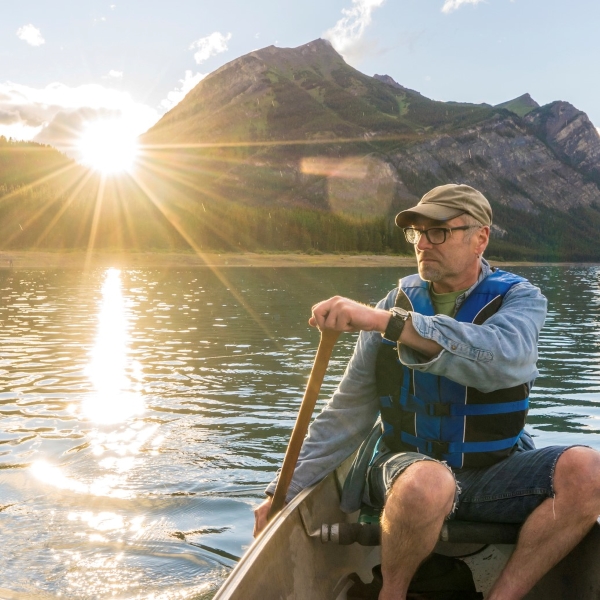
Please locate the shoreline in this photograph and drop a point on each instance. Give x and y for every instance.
(30, 259)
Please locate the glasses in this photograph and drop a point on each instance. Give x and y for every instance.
(435, 235)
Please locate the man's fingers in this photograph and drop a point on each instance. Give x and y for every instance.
(260, 516)
(329, 314)
(320, 313)
(342, 314)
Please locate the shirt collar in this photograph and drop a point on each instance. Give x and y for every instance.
(486, 271)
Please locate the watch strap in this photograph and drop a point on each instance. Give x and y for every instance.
(396, 324)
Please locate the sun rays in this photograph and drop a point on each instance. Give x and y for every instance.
(127, 198)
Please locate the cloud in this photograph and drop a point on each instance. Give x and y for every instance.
(188, 83)
(208, 46)
(57, 114)
(346, 36)
(67, 125)
(30, 34)
(115, 74)
(451, 5)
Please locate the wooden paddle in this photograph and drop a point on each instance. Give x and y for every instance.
(317, 374)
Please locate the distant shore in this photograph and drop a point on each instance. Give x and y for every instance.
(30, 259)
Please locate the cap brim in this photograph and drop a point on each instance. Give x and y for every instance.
(435, 212)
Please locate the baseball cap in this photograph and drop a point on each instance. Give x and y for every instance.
(445, 202)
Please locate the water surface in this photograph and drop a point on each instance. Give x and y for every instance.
(144, 411)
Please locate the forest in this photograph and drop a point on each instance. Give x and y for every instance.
(48, 201)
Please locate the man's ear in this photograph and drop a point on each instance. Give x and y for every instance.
(483, 239)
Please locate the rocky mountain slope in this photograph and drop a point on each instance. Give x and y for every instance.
(300, 128)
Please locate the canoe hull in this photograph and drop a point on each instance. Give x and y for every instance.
(289, 561)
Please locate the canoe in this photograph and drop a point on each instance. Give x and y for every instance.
(295, 559)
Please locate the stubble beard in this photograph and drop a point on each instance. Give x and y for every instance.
(430, 273)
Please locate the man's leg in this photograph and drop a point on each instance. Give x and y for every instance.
(556, 526)
(415, 509)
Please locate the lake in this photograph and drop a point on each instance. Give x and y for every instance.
(144, 411)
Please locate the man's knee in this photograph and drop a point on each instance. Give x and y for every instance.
(577, 476)
(425, 486)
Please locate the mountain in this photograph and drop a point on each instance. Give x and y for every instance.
(300, 128)
(293, 149)
(520, 106)
(305, 93)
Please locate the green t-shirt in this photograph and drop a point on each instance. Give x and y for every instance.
(445, 304)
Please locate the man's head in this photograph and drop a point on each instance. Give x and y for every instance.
(450, 229)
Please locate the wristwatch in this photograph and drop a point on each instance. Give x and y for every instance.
(398, 319)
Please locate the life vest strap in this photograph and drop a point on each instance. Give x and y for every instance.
(412, 403)
(438, 449)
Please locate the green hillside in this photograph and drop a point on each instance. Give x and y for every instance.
(520, 106)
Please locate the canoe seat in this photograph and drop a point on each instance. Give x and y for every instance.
(459, 532)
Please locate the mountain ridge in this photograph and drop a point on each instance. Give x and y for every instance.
(293, 149)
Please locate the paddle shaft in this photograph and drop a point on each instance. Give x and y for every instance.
(317, 374)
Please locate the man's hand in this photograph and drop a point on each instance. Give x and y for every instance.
(342, 314)
(260, 516)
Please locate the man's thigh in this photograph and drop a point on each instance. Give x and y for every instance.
(510, 490)
(385, 470)
(507, 492)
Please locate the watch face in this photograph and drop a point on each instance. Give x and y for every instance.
(400, 312)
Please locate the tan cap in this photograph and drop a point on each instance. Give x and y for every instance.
(445, 202)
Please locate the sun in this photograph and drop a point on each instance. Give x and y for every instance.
(108, 146)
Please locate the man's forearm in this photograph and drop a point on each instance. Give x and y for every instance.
(412, 339)
(409, 336)
(343, 314)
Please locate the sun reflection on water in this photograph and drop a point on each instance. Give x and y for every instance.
(116, 395)
(107, 485)
(115, 398)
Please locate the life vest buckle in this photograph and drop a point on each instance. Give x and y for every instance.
(438, 409)
(437, 448)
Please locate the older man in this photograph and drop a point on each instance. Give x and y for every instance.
(446, 362)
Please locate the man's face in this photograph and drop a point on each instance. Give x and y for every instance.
(447, 264)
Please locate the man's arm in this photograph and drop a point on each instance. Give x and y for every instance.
(500, 353)
(339, 429)
(343, 424)
(343, 314)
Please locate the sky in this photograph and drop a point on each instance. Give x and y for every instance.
(68, 66)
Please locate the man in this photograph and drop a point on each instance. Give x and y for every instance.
(450, 443)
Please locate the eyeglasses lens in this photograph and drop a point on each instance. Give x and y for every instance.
(435, 235)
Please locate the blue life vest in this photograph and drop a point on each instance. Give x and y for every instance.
(436, 416)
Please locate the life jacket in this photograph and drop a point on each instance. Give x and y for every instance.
(436, 416)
